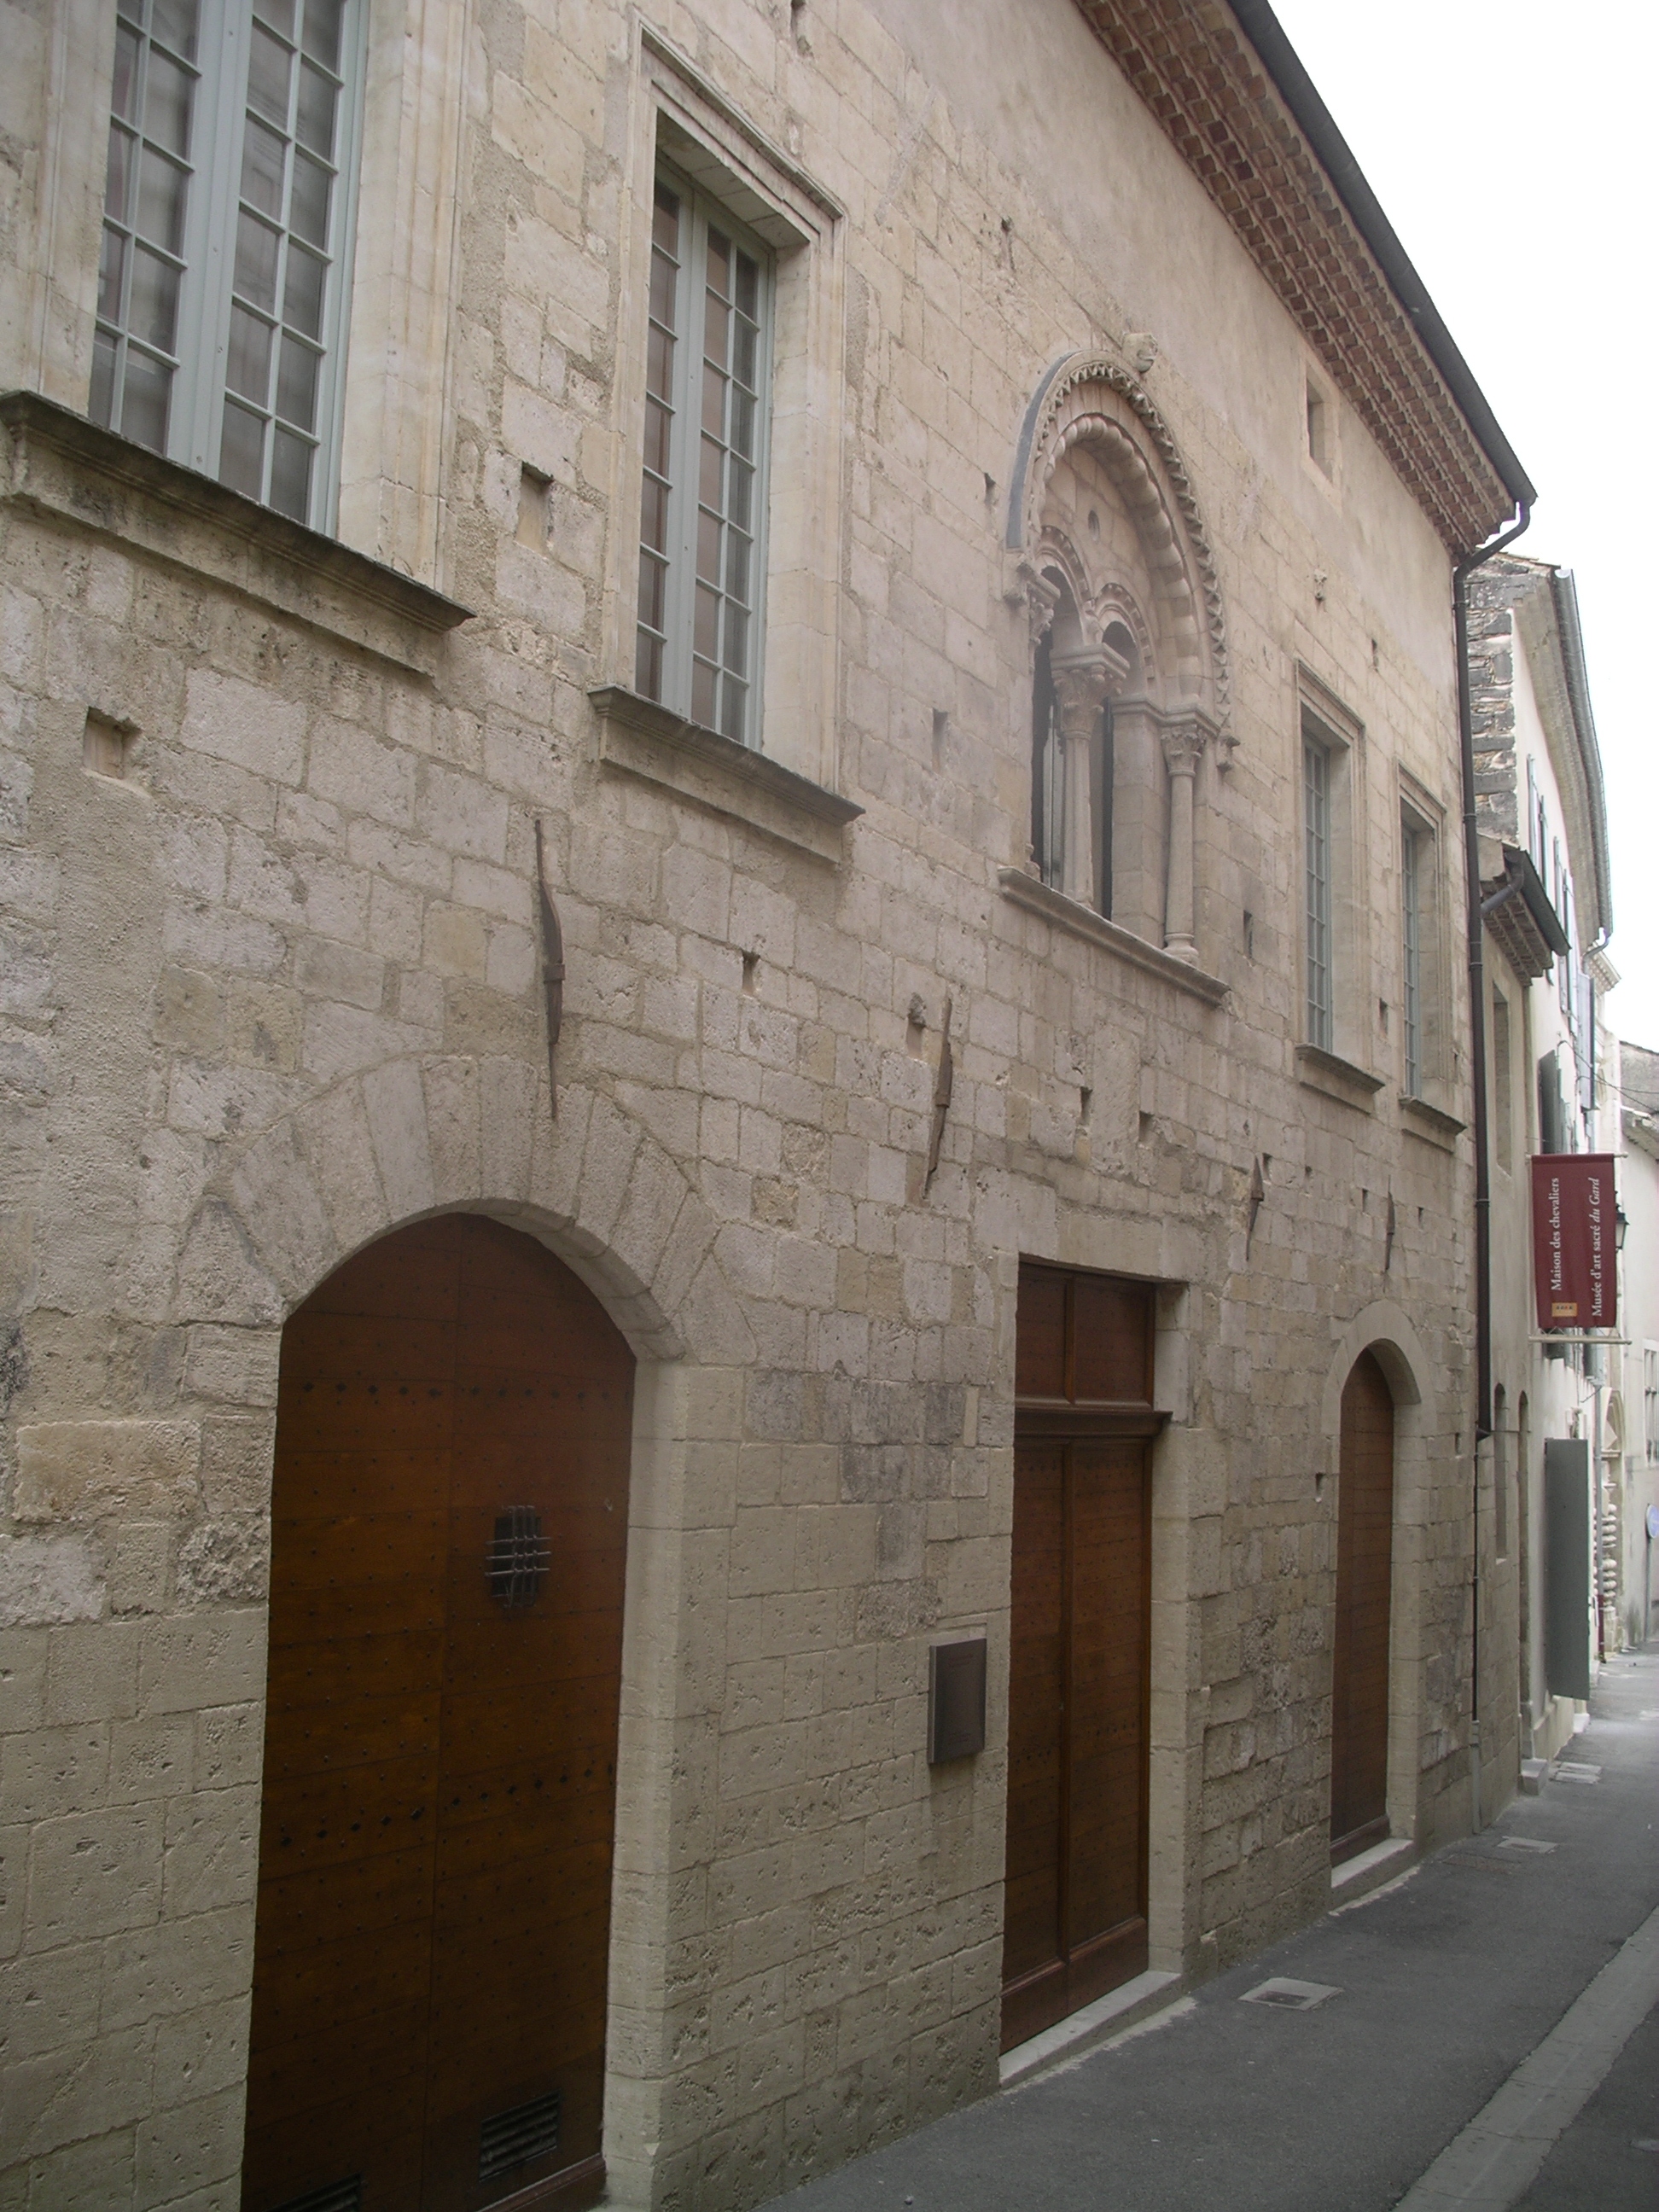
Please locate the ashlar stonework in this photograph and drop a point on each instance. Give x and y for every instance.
(271, 803)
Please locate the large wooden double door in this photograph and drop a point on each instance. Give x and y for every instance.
(1365, 1576)
(1075, 1911)
(449, 1529)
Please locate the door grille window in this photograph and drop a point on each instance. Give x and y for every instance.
(514, 2138)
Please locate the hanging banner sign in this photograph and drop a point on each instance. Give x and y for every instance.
(1574, 1253)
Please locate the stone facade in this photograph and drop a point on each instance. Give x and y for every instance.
(270, 807)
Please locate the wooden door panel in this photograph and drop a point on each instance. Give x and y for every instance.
(436, 1843)
(1364, 1565)
(1075, 1890)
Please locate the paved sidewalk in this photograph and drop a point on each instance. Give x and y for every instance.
(1448, 1981)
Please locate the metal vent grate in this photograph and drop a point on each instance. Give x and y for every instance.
(514, 2138)
(517, 1559)
(345, 2196)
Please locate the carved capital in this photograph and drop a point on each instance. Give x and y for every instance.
(1084, 682)
(1184, 746)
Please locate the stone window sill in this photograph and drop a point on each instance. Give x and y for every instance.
(1035, 896)
(1332, 1077)
(64, 467)
(643, 739)
(1430, 1122)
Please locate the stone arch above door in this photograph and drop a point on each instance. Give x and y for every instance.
(415, 1137)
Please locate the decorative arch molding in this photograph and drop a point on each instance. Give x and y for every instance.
(415, 1137)
(1086, 399)
(1386, 1330)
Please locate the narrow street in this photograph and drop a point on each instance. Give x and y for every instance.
(1449, 2068)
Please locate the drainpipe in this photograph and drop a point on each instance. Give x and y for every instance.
(1461, 574)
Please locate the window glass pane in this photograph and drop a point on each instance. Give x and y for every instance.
(144, 402)
(112, 272)
(659, 363)
(748, 287)
(268, 71)
(290, 474)
(322, 35)
(161, 200)
(732, 709)
(654, 518)
(743, 362)
(167, 90)
(713, 400)
(742, 432)
(247, 360)
(737, 637)
(737, 566)
(264, 156)
(740, 481)
(153, 311)
(720, 263)
(665, 219)
(314, 124)
(652, 579)
(302, 297)
(123, 93)
(708, 547)
(713, 464)
(255, 262)
(174, 23)
(706, 637)
(131, 11)
(716, 334)
(279, 14)
(664, 279)
(657, 424)
(296, 384)
(118, 174)
(647, 666)
(102, 405)
(703, 694)
(242, 451)
(307, 214)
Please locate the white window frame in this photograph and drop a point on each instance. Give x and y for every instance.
(735, 705)
(207, 252)
(679, 117)
(1318, 891)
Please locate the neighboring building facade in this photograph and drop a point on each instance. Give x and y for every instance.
(732, 957)
(1548, 898)
(1637, 1595)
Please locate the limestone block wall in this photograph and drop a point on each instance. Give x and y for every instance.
(274, 988)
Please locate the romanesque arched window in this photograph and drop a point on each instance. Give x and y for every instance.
(1128, 652)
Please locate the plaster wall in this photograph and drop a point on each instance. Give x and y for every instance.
(274, 988)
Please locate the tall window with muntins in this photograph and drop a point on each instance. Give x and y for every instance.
(1410, 899)
(1316, 838)
(1502, 1083)
(227, 216)
(704, 500)
(1650, 1402)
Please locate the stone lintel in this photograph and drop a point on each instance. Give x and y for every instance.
(1432, 1123)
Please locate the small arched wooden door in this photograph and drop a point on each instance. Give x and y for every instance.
(449, 1531)
(1364, 1572)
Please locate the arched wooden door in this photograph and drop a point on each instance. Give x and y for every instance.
(449, 1531)
(1365, 1571)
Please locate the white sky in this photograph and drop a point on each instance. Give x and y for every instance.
(1511, 145)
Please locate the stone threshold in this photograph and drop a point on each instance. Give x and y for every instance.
(1368, 1870)
(1037, 897)
(65, 467)
(646, 739)
(1119, 2008)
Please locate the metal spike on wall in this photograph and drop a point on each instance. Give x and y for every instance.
(943, 1083)
(552, 972)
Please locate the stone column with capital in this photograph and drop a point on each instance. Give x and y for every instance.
(1084, 681)
(1184, 746)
